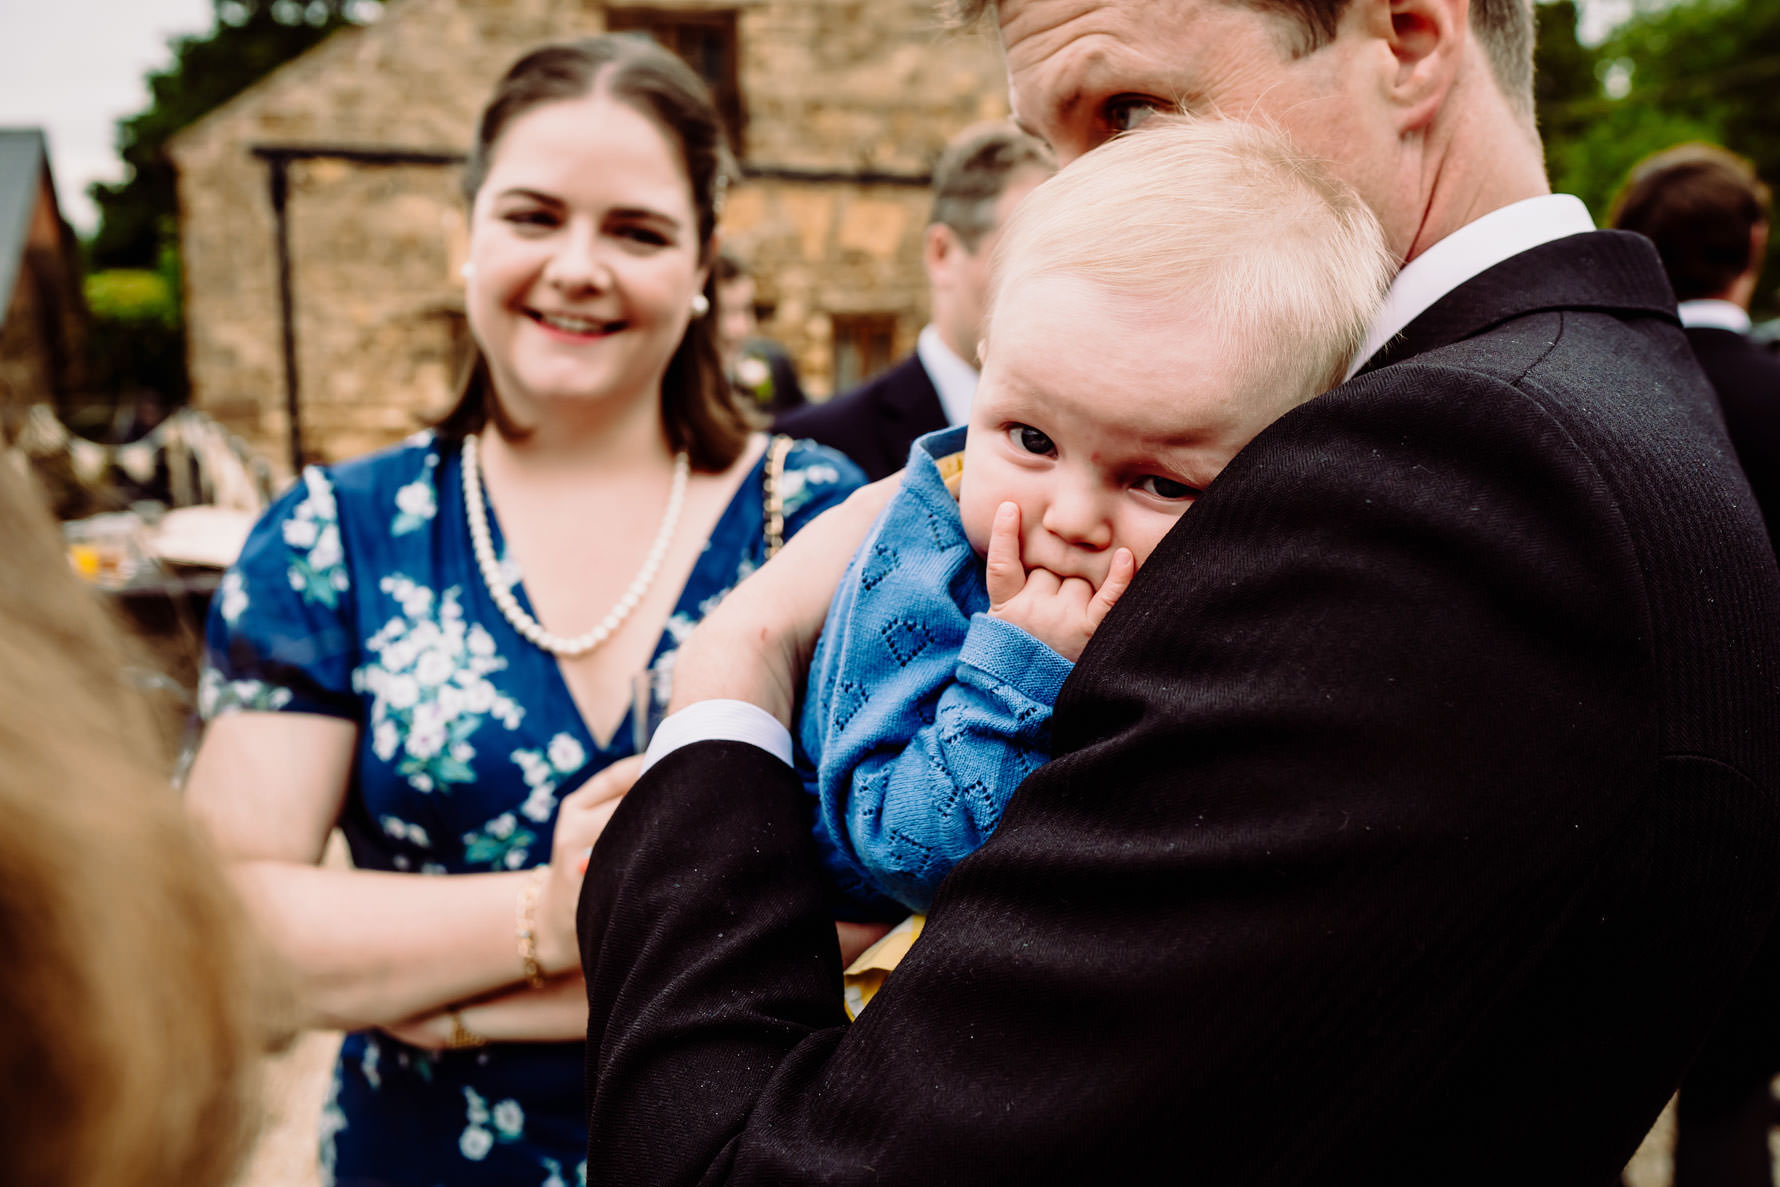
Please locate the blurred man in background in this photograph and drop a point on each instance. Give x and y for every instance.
(1707, 213)
(980, 178)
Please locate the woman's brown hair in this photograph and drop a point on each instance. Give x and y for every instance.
(698, 408)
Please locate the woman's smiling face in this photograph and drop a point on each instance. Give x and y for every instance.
(584, 257)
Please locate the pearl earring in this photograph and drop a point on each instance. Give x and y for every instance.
(467, 271)
(701, 305)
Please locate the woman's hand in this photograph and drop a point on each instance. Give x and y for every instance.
(756, 646)
(580, 819)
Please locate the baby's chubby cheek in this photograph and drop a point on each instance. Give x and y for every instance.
(976, 509)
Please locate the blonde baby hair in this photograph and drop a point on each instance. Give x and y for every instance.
(1222, 217)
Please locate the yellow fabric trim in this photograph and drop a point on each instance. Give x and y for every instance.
(866, 974)
(951, 470)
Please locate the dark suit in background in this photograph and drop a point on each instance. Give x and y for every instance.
(1747, 380)
(1726, 1109)
(876, 422)
(1410, 816)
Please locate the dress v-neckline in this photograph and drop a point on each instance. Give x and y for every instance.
(607, 744)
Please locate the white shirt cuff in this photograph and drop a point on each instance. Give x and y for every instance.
(720, 721)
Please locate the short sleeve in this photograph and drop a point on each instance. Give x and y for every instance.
(815, 479)
(280, 635)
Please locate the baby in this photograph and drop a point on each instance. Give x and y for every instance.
(1155, 306)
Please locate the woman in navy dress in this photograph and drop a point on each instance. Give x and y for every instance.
(434, 646)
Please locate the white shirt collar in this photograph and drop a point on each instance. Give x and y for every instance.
(1714, 315)
(954, 379)
(1469, 251)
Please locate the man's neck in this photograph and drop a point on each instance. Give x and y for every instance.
(954, 379)
(1483, 157)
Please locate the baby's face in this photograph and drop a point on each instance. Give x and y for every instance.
(1103, 416)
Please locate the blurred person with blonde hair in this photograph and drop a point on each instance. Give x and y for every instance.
(134, 1021)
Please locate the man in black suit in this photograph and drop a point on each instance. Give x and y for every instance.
(1707, 213)
(1412, 813)
(980, 178)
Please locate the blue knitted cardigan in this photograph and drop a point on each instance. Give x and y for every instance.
(922, 713)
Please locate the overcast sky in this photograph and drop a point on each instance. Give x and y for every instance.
(75, 67)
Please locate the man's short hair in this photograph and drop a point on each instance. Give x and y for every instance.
(974, 169)
(1220, 217)
(1504, 29)
(1699, 204)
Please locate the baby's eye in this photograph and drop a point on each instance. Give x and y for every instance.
(1167, 488)
(1031, 440)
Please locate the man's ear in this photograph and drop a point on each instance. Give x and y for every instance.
(940, 249)
(1426, 41)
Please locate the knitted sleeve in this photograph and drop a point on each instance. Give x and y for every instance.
(923, 712)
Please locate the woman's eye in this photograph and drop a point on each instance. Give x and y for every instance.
(530, 218)
(647, 236)
(1031, 440)
(1125, 112)
(1167, 488)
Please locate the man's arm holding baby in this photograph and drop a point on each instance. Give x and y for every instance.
(756, 647)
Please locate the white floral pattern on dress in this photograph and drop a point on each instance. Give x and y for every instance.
(542, 772)
(477, 1138)
(416, 505)
(232, 597)
(333, 1120)
(429, 688)
(218, 695)
(501, 844)
(318, 564)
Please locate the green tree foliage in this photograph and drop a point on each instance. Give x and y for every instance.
(1696, 70)
(250, 40)
(137, 337)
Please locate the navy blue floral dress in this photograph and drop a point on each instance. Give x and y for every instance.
(357, 596)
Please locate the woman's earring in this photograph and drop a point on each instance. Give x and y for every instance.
(701, 304)
(467, 271)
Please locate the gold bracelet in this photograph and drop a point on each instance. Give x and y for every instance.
(525, 926)
(462, 1037)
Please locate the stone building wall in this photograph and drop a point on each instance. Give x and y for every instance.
(43, 318)
(833, 89)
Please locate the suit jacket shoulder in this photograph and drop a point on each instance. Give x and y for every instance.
(875, 423)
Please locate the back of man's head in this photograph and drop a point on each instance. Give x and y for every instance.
(973, 171)
(1701, 205)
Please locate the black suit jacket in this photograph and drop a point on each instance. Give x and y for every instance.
(1410, 816)
(876, 422)
(1747, 380)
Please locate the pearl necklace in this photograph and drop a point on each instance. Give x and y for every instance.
(529, 627)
